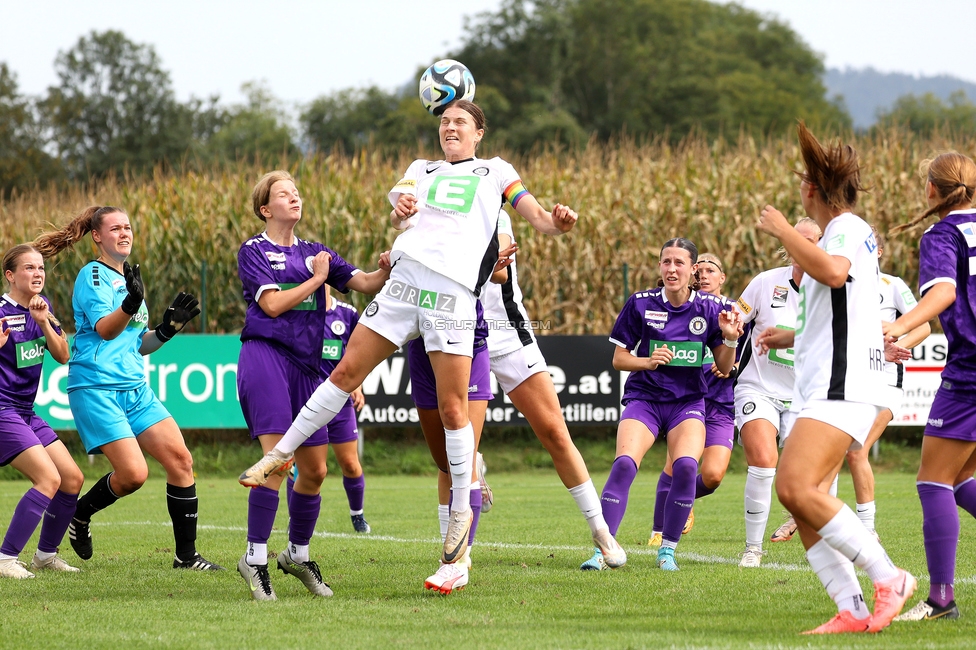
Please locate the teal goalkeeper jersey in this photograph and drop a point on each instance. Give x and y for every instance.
(95, 362)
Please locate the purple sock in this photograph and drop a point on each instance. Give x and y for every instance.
(702, 490)
(56, 521)
(475, 497)
(27, 515)
(663, 487)
(965, 494)
(304, 510)
(355, 489)
(615, 492)
(680, 498)
(289, 490)
(940, 528)
(262, 506)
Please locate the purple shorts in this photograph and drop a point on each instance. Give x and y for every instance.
(661, 417)
(719, 425)
(423, 388)
(344, 426)
(273, 390)
(951, 418)
(20, 431)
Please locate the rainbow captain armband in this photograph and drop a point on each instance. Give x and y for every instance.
(515, 193)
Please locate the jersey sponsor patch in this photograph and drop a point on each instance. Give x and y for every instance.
(656, 319)
(697, 325)
(422, 298)
(968, 231)
(744, 306)
(117, 282)
(331, 349)
(30, 353)
(687, 354)
(871, 243)
(779, 296)
(453, 194)
(274, 257)
(16, 319)
(338, 328)
(408, 185)
(908, 297)
(310, 303)
(834, 243)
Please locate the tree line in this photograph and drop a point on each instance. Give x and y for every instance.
(549, 72)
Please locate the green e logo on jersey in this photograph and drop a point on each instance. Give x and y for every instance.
(140, 319)
(784, 357)
(455, 193)
(30, 353)
(801, 311)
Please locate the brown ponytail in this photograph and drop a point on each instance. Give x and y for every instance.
(954, 178)
(51, 243)
(833, 170)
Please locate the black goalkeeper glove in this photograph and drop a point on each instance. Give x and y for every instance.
(184, 309)
(135, 287)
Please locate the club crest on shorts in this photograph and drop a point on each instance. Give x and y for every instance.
(748, 408)
(697, 325)
(338, 328)
(371, 309)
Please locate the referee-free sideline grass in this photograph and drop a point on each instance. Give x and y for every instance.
(525, 591)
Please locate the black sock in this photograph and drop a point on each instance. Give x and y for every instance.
(99, 497)
(182, 505)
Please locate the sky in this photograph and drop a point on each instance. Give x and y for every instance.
(303, 49)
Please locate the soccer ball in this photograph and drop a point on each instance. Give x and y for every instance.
(443, 83)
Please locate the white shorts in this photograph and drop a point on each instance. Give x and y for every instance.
(853, 418)
(417, 301)
(515, 367)
(751, 405)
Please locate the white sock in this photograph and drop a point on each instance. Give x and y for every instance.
(327, 400)
(459, 444)
(865, 512)
(4, 556)
(257, 554)
(443, 515)
(298, 552)
(588, 501)
(42, 556)
(846, 534)
(353, 513)
(758, 497)
(837, 575)
(833, 486)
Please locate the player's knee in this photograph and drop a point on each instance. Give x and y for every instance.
(128, 480)
(454, 416)
(71, 481)
(48, 483)
(789, 493)
(712, 476)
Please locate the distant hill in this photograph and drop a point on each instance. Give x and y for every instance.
(865, 91)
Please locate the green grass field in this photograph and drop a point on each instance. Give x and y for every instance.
(526, 590)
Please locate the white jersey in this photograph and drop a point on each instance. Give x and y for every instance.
(508, 325)
(458, 203)
(896, 300)
(839, 346)
(770, 300)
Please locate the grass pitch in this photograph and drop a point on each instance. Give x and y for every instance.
(525, 591)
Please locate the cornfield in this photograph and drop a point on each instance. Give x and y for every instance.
(631, 198)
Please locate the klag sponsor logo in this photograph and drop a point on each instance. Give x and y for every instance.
(30, 353)
(422, 298)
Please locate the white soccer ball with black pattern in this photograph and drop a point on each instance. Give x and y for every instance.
(444, 82)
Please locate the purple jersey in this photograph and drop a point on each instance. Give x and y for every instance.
(947, 251)
(340, 319)
(718, 390)
(22, 356)
(297, 333)
(647, 320)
